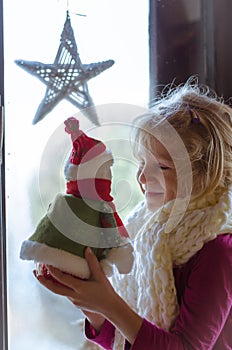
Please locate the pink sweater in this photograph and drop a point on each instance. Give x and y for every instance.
(204, 290)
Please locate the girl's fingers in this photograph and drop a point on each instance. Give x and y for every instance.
(94, 266)
(64, 278)
(58, 289)
(53, 286)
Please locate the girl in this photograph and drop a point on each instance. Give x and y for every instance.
(179, 294)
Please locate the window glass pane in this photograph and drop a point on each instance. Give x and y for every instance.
(35, 154)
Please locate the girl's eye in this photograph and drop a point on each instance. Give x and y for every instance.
(163, 167)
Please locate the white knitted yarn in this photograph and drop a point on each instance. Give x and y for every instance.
(150, 288)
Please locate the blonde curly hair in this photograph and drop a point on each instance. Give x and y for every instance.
(204, 123)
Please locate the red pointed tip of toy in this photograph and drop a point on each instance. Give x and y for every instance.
(72, 126)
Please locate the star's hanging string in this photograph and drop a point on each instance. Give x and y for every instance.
(66, 78)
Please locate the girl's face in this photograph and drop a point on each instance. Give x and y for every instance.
(156, 175)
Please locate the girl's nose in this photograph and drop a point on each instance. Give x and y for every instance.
(143, 175)
(147, 174)
(140, 179)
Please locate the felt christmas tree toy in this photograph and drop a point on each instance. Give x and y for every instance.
(84, 216)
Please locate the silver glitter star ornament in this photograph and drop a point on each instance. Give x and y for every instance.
(66, 78)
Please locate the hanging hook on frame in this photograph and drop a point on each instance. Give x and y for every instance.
(74, 13)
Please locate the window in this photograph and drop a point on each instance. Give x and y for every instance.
(196, 40)
(114, 29)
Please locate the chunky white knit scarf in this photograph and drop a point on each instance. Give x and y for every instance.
(149, 289)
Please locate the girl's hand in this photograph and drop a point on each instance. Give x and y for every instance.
(94, 295)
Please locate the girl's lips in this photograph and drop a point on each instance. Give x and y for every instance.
(153, 193)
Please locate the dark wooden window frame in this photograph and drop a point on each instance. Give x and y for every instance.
(214, 52)
(206, 49)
